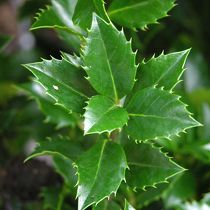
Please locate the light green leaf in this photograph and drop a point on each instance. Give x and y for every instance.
(163, 71)
(58, 16)
(74, 59)
(155, 113)
(57, 146)
(62, 81)
(102, 115)
(109, 60)
(138, 13)
(148, 166)
(128, 206)
(55, 114)
(100, 173)
(84, 19)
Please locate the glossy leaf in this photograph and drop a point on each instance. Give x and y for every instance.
(57, 146)
(155, 113)
(61, 79)
(138, 13)
(55, 114)
(100, 172)
(102, 115)
(110, 67)
(163, 71)
(148, 166)
(57, 16)
(84, 19)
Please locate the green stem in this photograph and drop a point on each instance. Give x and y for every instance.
(61, 198)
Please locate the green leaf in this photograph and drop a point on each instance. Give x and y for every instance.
(128, 206)
(57, 16)
(144, 198)
(148, 166)
(110, 67)
(107, 205)
(155, 113)
(64, 167)
(62, 81)
(138, 13)
(55, 114)
(198, 149)
(57, 146)
(102, 115)
(183, 189)
(100, 173)
(84, 19)
(163, 71)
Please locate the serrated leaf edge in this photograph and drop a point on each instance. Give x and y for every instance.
(178, 133)
(105, 131)
(127, 44)
(154, 185)
(114, 192)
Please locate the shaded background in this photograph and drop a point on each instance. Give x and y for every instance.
(22, 185)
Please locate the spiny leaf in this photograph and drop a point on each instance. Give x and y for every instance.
(138, 13)
(59, 15)
(155, 113)
(144, 198)
(102, 115)
(62, 81)
(100, 172)
(84, 19)
(109, 60)
(148, 166)
(74, 59)
(163, 71)
(55, 114)
(56, 146)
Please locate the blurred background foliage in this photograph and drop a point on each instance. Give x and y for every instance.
(35, 184)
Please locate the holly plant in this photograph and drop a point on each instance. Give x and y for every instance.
(123, 106)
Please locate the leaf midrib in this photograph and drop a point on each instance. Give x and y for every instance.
(169, 69)
(98, 169)
(98, 120)
(61, 83)
(153, 116)
(148, 165)
(109, 66)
